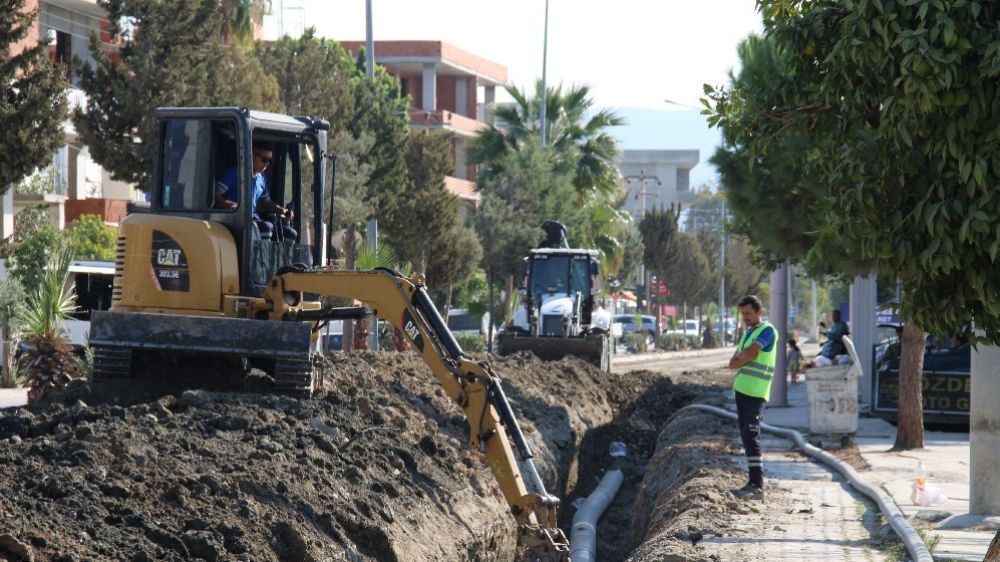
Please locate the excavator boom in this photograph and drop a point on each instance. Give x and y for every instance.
(473, 385)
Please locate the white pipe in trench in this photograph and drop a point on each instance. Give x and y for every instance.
(583, 536)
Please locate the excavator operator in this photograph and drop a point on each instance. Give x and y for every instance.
(227, 195)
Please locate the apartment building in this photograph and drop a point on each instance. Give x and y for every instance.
(450, 89)
(80, 184)
(657, 178)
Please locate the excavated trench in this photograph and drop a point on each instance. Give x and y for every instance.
(185, 463)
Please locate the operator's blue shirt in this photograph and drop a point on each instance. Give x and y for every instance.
(230, 183)
(765, 338)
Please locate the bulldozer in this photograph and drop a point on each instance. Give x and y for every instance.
(560, 314)
(206, 276)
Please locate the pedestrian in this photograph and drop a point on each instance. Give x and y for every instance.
(754, 363)
(794, 359)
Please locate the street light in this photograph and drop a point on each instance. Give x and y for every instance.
(545, 56)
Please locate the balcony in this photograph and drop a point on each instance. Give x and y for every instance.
(448, 120)
(110, 210)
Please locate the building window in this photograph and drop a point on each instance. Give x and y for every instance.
(683, 179)
(404, 86)
(64, 48)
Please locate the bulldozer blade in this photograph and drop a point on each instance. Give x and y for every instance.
(201, 335)
(593, 348)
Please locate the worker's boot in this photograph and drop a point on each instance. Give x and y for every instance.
(750, 492)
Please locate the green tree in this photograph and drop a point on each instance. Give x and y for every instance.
(686, 270)
(452, 259)
(896, 102)
(659, 237)
(27, 260)
(427, 210)
(90, 239)
(382, 112)
(33, 102)
(170, 54)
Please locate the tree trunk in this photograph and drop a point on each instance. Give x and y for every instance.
(447, 303)
(910, 415)
(422, 258)
(350, 261)
(508, 298)
(993, 554)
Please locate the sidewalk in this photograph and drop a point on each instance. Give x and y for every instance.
(946, 459)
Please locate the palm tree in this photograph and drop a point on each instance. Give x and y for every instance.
(368, 259)
(48, 362)
(582, 146)
(238, 16)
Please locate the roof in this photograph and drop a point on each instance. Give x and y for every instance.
(83, 266)
(408, 57)
(565, 251)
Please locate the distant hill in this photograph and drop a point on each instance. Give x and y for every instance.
(670, 130)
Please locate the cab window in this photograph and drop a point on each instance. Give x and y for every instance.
(196, 155)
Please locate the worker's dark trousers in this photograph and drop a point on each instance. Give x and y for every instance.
(750, 411)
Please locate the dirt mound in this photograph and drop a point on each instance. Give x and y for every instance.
(684, 495)
(375, 468)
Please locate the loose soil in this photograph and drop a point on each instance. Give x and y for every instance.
(375, 468)
(188, 462)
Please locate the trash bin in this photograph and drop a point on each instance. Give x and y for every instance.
(833, 399)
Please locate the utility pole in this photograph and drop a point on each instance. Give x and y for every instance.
(545, 57)
(372, 234)
(641, 196)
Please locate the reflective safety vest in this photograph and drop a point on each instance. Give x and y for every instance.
(754, 378)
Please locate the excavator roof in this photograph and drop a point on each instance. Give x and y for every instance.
(256, 118)
(564, 252)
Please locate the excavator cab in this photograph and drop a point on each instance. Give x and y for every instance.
(200, 150)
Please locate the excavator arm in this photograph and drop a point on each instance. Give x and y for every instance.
(472, 385)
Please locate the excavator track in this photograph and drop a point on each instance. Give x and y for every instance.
(294, 377)
(112, 362)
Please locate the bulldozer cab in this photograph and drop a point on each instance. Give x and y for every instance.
(203, 153)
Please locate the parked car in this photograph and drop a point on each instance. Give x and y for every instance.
(629, 325)
(946, 378)
(689, 327)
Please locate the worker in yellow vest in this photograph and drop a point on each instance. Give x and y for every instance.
(754, 363)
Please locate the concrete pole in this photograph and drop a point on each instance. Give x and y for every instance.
(778, 314)
(863, 296)
(984, 427)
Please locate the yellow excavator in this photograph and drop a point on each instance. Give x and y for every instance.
(204, 273)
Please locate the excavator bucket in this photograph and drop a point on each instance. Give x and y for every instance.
(596, 349)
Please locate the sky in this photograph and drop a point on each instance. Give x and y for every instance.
(633, 53)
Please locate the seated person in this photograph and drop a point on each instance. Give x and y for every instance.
(834, 345)
(227, 195)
